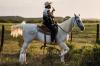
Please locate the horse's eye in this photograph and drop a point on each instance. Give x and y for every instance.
(78, 21)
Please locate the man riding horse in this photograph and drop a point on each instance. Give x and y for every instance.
(48, 20)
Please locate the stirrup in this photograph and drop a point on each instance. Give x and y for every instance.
(53, 43)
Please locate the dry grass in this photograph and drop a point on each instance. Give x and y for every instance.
(35, 56)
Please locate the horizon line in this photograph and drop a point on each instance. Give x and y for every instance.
(41, 16)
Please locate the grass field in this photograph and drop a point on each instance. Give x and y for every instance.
(83, 50)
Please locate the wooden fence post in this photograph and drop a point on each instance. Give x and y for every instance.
(2, 38)
(71, 37)
(97, 34)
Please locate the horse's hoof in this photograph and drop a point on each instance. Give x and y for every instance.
(22, 63)
(26, 62)
(63, 62)
(61, 55)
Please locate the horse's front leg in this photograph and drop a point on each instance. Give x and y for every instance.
(64, 50)
(22, 57)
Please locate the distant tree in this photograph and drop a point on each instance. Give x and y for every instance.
(1, 20)
(59, 19)
(66, 18)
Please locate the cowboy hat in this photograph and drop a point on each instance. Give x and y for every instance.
(47, 3)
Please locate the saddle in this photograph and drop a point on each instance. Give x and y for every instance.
(44, 29)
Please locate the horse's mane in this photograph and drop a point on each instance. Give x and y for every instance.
(66, 21)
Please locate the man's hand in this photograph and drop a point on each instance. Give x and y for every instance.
(53, 9)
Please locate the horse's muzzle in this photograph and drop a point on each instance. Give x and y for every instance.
(82, 28)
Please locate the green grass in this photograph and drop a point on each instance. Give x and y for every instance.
(83, 50)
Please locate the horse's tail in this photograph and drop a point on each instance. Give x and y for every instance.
(16, 30)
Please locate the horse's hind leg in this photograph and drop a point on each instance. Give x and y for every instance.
(27, 39)
(22, 57)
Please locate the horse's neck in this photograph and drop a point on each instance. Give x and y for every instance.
(67, 25)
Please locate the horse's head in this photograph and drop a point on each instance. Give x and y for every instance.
(78, 22)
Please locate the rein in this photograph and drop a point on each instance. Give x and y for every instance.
(62, 29)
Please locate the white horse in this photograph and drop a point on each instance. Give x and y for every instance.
(30, 32)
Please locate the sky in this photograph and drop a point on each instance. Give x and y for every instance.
(34, 8)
